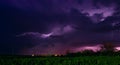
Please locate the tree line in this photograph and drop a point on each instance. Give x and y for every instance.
(107, 49)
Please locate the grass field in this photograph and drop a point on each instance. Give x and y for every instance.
(82, 60)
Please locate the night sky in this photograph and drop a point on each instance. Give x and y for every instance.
(56, 26)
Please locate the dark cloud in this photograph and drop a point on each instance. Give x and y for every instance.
(80, 1)
(104, 2)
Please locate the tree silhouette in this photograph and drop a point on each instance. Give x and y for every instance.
(88, 52)
(107, 46)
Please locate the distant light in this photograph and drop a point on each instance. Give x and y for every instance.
(33, 55)
(55, 55)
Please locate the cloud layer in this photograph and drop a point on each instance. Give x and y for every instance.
(38, 26)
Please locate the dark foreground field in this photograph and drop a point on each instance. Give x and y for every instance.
(82, 60)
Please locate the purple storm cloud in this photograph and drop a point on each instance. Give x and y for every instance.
(55, 26)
